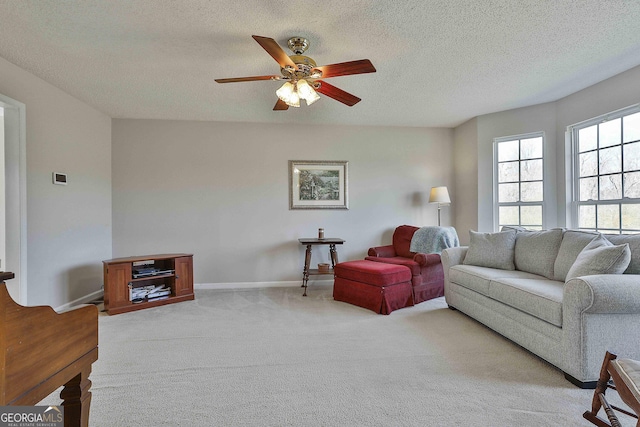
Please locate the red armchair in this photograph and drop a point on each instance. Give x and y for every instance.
(427, 275)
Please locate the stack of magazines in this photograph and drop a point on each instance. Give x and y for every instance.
(149, 293)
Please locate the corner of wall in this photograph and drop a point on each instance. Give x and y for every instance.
(465, 167)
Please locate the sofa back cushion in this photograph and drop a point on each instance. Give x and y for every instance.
(493, 250)
(634, 245)
(402, 240)
(536, 251)
(573, 242)
(600, 257)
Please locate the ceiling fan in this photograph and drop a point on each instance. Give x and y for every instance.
(302, 75)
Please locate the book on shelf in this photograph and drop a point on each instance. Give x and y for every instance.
(158, 294)
(147, 272)
(142, 293)
(158, 298)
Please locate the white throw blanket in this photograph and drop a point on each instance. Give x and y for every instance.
(432, 240)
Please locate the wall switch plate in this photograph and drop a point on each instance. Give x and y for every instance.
(59, 178)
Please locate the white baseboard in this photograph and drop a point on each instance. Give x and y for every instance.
(83, 300)
(257, 285)
(233, 285)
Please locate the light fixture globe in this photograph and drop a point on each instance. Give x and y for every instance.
(306, 92)
(288, 94)
(312, 97)
(285, 91)
(294, 100)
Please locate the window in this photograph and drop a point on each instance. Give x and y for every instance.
(519, 182)
(606, 172)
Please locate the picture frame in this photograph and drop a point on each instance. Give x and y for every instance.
(318, 184)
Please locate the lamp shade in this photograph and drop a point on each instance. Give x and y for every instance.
(439, 195)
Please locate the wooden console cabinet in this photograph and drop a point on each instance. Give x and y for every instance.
(122, 276)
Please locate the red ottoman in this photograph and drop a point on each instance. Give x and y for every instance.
(374, 285)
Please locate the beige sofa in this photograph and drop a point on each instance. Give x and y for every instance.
(546, 291)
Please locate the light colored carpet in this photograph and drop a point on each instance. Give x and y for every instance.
(270, 357)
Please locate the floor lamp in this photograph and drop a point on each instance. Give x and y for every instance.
(439, 195)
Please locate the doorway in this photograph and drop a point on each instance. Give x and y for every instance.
(3, 228)
(13, 168)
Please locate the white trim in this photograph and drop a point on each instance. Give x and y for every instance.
(16, 148)
(496, 207)
(257, 285)
(572, 197)
(520, 136)
(571, 213)
(545, 184)
(80, 301)
(204, 286)
(606, 117)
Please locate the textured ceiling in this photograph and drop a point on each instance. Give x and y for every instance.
(439, 62)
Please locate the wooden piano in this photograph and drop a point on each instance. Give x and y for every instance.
(41, 350)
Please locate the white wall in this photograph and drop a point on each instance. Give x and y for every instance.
(520, 121)
(610, 95)
(465, 167)
(552, 118)
(69, 227)
(220, 191)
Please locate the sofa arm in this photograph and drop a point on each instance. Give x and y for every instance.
(604, 293)
(599, 312)
(427, 259)
(382, 251)
(453, 256)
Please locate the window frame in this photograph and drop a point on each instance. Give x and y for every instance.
(496, 203)
(573, 131)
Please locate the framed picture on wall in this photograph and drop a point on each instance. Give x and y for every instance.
(318, 184)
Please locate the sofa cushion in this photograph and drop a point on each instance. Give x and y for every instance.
(634, 245)
(515, 228)
(573, 242)
(493, 250)
(478, 278)
(600, 257)
(539, 297)
(398, 260)
(629, 372)
(536, 251)
(402, 240)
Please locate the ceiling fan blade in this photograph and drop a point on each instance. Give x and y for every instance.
(346, 68)
(273, 48)
(337, 94)
(248, 79)
(280, 105)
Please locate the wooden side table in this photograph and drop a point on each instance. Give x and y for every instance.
(309, 242)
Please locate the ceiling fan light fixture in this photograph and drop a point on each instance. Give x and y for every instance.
(288, 94)
(285, 91)
(303, 75)
(294, 100)
(312, 98)
(306, 92)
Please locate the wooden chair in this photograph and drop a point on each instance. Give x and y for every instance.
(622, 375)
(41, 350)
